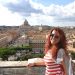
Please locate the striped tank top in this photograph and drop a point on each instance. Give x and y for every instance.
(52, 68)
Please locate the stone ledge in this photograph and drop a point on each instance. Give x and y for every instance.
(11, 64)
(16, 64)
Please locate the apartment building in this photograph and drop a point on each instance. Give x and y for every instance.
(37, 43)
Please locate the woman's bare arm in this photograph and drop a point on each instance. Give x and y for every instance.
(36, 62)
(64, 68)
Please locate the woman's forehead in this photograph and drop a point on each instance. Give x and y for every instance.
(55, 32)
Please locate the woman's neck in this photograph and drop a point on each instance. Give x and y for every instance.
(54, 47)
(54, 50)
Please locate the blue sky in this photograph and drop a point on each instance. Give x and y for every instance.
(58, 2)
(37, 12)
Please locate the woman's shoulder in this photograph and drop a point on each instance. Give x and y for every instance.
(61, 51)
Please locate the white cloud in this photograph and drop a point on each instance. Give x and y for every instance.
(8, 1)
(70, 9)
(37, 13)
(40, 19)
(9, 18)
(36, 5)
(55, 14)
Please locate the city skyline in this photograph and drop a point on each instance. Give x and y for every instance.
(37, 12)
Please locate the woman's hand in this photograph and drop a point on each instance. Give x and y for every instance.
(30, 64)
(35, 61)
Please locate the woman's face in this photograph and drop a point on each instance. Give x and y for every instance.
(54, 37)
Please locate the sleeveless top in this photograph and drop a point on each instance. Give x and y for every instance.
(54, 67)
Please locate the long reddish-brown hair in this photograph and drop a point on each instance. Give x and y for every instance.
(62, 43)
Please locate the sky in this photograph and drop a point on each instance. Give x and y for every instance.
(37, 12)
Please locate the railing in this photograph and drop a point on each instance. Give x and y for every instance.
(20, 68)
(22, 71)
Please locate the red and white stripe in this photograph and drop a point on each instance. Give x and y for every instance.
(52, 68)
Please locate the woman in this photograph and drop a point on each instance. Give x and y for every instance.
(55, 51)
